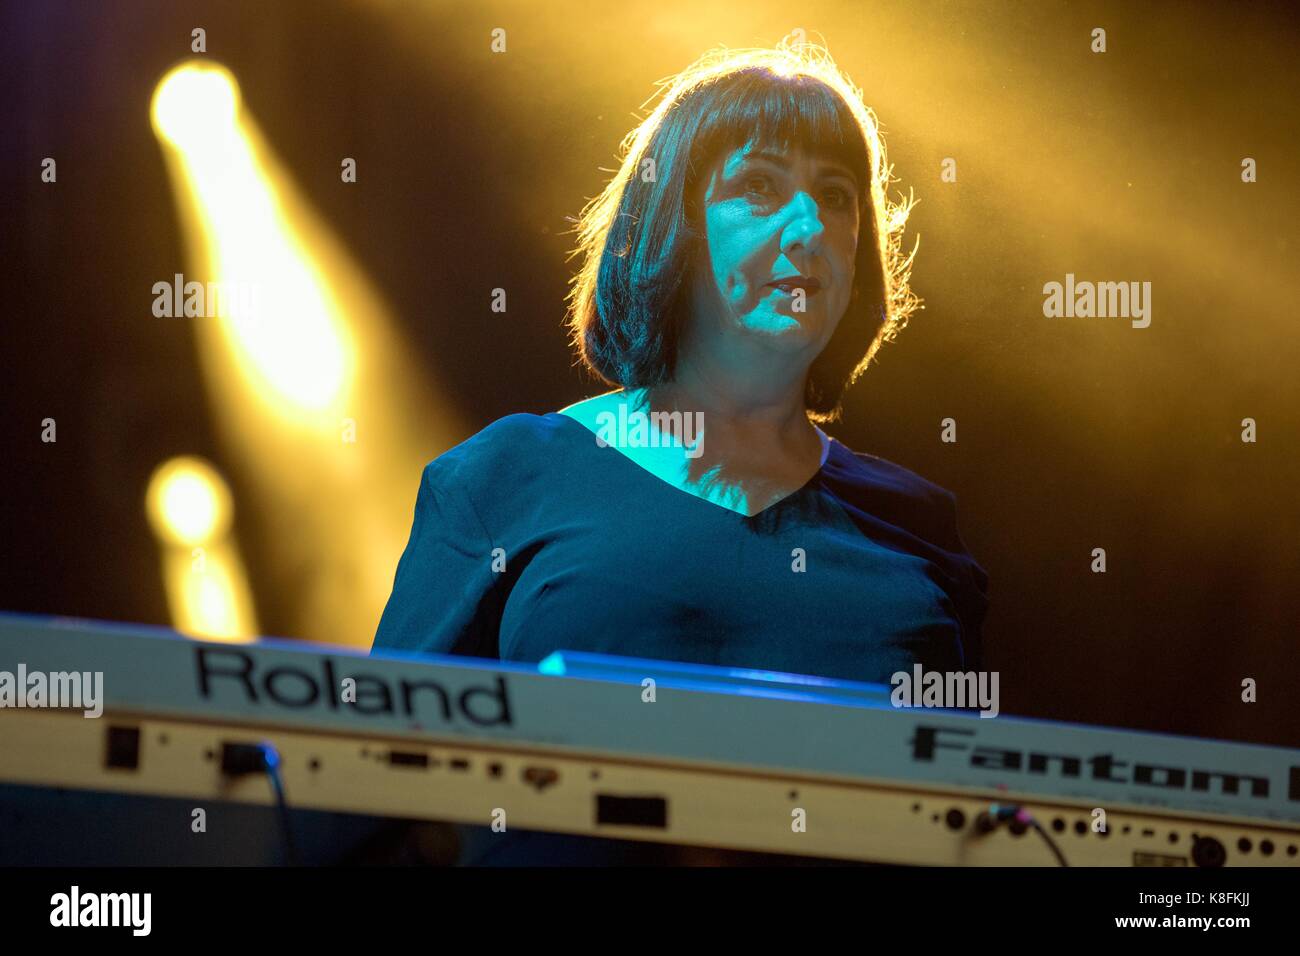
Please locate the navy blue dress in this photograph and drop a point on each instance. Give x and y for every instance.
(601, 555)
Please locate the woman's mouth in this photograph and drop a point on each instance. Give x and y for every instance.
(788, 285)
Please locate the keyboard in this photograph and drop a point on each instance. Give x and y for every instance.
(630, 749)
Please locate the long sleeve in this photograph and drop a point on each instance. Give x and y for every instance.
(445, 598)
(973, 601)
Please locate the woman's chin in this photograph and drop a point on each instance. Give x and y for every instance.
(782, 327)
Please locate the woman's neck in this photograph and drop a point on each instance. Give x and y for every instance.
(735, 432)
(762, 417)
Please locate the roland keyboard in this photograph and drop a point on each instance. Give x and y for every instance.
(582, 744)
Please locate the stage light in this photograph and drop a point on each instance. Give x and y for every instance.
(314, 395)
(194, 103)
(189, 508)
(188, 503)
(283, 327)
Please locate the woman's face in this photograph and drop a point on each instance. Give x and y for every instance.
(773, 216)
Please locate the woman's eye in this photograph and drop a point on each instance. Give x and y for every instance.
(759, 185)
(839, 198)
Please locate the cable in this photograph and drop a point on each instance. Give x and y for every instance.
(1051, 844)
(239, 759)
(277, 782)
(998, 813)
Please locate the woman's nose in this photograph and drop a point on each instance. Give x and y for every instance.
(803, 227)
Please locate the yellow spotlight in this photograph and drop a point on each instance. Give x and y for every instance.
(281, 324)
(194, 103)
(188, 503)
(189, 508)
(315, 393)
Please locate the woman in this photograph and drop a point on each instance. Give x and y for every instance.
(741, 270)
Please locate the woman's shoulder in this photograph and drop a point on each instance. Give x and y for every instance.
(895, 494)
(882, 475)
(924, 510)
(511, 449)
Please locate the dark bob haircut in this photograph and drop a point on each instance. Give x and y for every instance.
(640, 236)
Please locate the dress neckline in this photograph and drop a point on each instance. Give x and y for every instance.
(827, 441)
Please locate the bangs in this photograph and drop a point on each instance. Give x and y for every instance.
(757, 107)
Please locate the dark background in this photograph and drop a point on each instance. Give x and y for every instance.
(1073, 433)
